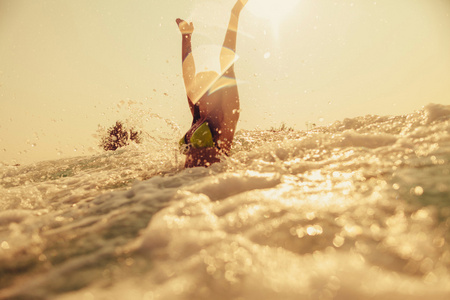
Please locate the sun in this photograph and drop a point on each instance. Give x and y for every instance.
(272, 10)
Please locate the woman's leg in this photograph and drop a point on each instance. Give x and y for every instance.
(224, 109)
(228, 52)
(188, 63)
(229, 95)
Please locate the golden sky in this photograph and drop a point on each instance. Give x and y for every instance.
(68, 66)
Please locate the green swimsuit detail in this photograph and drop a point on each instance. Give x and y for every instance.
(201, 138)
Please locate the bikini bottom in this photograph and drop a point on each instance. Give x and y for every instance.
(200, 138)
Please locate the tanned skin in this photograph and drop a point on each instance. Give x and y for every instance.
(219, 108)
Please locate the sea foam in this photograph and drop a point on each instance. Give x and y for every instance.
(358, 209)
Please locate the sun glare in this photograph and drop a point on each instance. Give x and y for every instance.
(272, 10)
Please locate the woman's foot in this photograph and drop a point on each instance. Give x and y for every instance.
(185, 27)
(238, 6)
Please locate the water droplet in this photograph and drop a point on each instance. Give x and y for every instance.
(418, 190)
(129, 261)
(4, 245)
(338, 241)
(314, 230)
(430, 278)
(310, 215)
(266, 55)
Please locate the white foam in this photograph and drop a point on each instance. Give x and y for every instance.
(14, 216)
(434, 112)
(354, 210)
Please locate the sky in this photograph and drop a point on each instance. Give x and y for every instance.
(69, 67)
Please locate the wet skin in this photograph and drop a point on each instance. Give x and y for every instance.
(219, 105)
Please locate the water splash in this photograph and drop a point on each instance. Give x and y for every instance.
(354, 210)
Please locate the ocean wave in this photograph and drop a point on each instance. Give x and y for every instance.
(358, 209)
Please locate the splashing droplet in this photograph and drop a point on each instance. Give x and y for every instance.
(418, 190)
(4, 245)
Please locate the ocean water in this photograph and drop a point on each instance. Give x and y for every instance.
(359, 209)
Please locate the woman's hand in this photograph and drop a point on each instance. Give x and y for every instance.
(185, 27)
